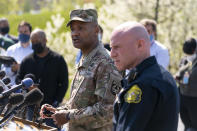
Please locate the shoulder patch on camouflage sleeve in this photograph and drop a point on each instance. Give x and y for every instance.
(115, 88)
(133, 95)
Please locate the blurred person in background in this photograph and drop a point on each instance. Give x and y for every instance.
(19, 51)
(48, 67)
(187, 79)
(6, 40)
(4, 31)
(157, 49)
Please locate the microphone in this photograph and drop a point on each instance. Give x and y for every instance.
(14, 98)
(6, 80)
(4, 83)
(26, 83)
(3, 103)
(1, 89)
(33, 97)
(5, 88)
(2, 74)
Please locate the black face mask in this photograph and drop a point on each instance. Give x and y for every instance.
(38, 48)
(4, 30)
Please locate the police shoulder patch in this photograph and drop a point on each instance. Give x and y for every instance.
(133, 95)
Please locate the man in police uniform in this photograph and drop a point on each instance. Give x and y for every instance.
(96, 81)
(149, 98)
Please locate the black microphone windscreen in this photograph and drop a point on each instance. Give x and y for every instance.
(15, 98)
(34, 96)
(1, 89)
(6, 80)
(2, 74)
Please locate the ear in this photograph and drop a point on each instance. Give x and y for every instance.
(97, 29)
(45, 41)
(140, 45)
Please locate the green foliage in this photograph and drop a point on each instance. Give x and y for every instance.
(61, 42)
(8, 6)
(176, 21)
(36, 20)
(26, 6)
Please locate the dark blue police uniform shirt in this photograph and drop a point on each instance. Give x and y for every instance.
(148, 101)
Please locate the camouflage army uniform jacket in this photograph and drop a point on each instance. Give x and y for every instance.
(93, 92)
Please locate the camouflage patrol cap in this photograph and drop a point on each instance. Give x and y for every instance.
(84, 15)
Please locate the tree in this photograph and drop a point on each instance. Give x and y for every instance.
(176, 21)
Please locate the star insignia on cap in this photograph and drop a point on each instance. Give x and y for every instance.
(83, 14)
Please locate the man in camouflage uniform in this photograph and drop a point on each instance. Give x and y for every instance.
(96, 81)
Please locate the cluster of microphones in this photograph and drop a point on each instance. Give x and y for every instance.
(12, 97)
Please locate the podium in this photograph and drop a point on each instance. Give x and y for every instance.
(19, 124)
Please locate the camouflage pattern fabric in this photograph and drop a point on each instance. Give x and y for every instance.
(93, 92)
(84, 15)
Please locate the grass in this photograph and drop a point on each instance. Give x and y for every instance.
(36, 20)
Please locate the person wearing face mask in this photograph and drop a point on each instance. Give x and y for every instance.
(5, 28)
(6, 40)
(157, 49)
(49, 68)
(187, 80)
(19, 51)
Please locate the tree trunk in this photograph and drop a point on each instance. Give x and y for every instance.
(156, 14)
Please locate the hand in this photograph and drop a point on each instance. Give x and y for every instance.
(176, 77)
(47, 107)
(15, 67)
(60, 117)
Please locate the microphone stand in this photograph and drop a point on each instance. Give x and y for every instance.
(3, 103)
(9, 108)
(6, 122)
(13, 112)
